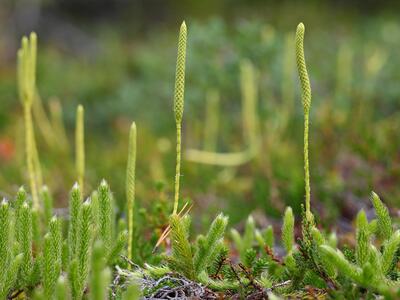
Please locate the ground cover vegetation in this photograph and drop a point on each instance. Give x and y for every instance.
(95, 251)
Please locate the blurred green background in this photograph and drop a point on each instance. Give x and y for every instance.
(117, 58)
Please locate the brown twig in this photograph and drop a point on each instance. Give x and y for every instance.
(249, 276)
(220, 264)
(263, 294)
(271, 254)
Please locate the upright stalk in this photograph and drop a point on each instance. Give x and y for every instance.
(179, 95)
(130, 184)
(27, 89)
(80, 146)
(29, 155)
(306, 99)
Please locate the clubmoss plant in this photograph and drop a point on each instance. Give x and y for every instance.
(19, 201)
(179, 97)
(384, 222)
(105, 215)
(47, 203)
(362, 238)
(181, 258)
(75, 203)
(118, 247)
(265, 238)
(288, 230)
(80, 146)
(34, 270)
(51, 264)
(371, 268)
(27, 89)
(207, 246)
(48, 274)
(306, 99)
(83, 251)
(10, 276)
(100, 274)
(193, 261)
(26, 243)
(8, 263)
(246, 242)
(130, 185)
(5, 233)
(61, 289)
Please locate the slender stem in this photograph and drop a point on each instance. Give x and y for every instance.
(36, 161)
(178, 166)
(130, 185)
(29, 154)
(306, 165)
(80, 147)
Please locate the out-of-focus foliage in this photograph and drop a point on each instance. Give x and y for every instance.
(355, 86)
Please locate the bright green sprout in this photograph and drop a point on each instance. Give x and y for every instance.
(382, 213)
(288, 230)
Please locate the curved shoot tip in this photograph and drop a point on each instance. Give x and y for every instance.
(302, 68)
